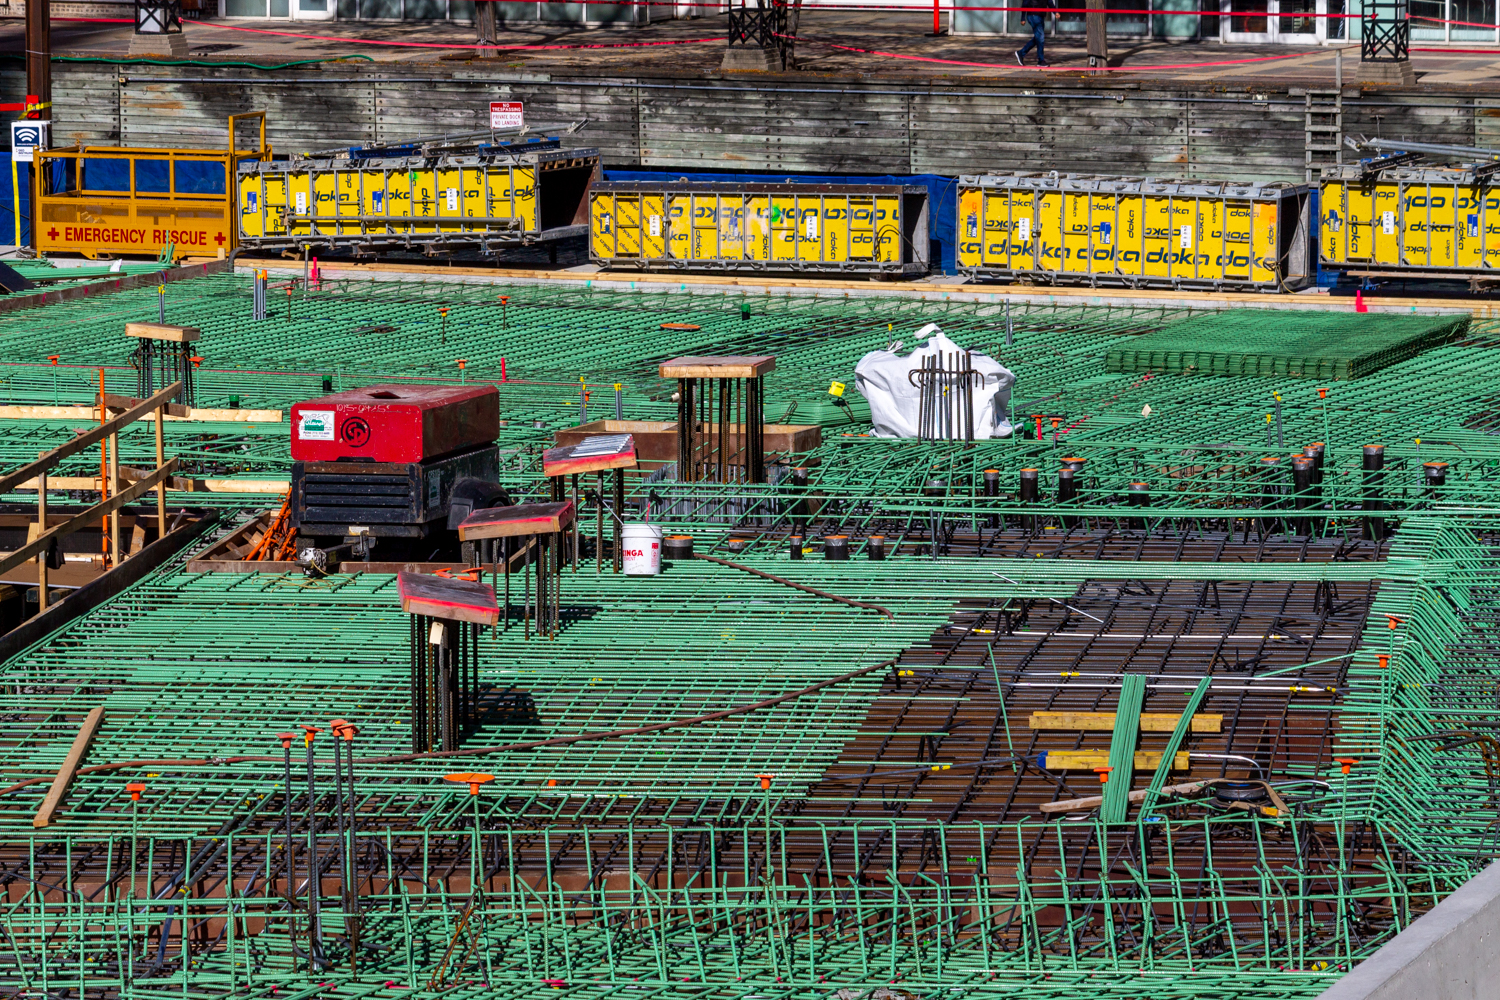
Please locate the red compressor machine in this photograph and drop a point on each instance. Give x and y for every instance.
(402, 464)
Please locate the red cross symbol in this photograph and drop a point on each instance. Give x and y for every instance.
(52, 233)
(219, 238)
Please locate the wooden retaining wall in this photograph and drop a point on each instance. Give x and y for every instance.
(790, 123)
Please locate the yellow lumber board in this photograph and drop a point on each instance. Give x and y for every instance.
(23, 412)
(177, 484)
(1151, 722)
(1085, 760)
(70, 764)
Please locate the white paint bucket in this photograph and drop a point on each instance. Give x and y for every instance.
(641, 545)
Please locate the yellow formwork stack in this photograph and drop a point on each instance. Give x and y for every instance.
(1435, 219)
(485, 199)
(1077, 229)
(779, 227)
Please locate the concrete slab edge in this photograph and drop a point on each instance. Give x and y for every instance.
(1446, 954)
(931, 291)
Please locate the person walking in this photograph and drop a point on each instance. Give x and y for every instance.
(1037, 19)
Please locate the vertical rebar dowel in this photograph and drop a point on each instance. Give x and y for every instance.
(1270, 474)
(1030, 493)
(444, 689)
(686, 414)
(992, 493)
(352, 852)
(343, 853)
(799, 505)
(965, 379)
(619, 402)
(1434, 476)
(1302, 473)
(755, 427)
(314, 876)
(1067, 491)
(616, 522)
(937, 490)
(1315, 451)
(1139, 496)
(1374, 478)
(719, 421)
(289, 863)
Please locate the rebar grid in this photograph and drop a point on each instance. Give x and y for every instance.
(746, 857)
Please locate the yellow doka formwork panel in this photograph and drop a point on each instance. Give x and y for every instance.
(503, 198)
(719, 226)
(312, 201)
(1428, 219)
(1123, 231)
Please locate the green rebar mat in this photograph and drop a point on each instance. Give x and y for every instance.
(1284, 343)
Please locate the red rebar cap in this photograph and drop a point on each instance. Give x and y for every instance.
(1103, 773)
(135, 788)
(1348, 762)
(765, 780)
(311, 731)
(286, 740)
(472, 779)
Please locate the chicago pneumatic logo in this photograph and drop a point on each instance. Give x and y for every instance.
(355, 432)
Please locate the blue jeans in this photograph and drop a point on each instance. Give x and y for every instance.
(1038, 38)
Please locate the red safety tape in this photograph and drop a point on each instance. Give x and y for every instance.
(1065, 69)
(444, 45)
(419, 45)
(918, 7)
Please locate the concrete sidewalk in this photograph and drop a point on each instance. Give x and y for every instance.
(894, 43)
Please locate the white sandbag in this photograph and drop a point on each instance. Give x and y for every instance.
(882, 377)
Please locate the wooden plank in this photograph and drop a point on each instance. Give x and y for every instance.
(452, 598)
(517, 521)
(163, 331)
(72, 524)
(30, 412)
(175, 484)
(1151, 722)
(114, 401)
(1095, 801)
(69, 766)
(734, 366)
(1087, 760)
(91, 437)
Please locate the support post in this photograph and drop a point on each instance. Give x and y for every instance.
(161, 488)
(114, 485)
(41, 529)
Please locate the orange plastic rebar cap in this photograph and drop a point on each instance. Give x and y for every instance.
(471, 778)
